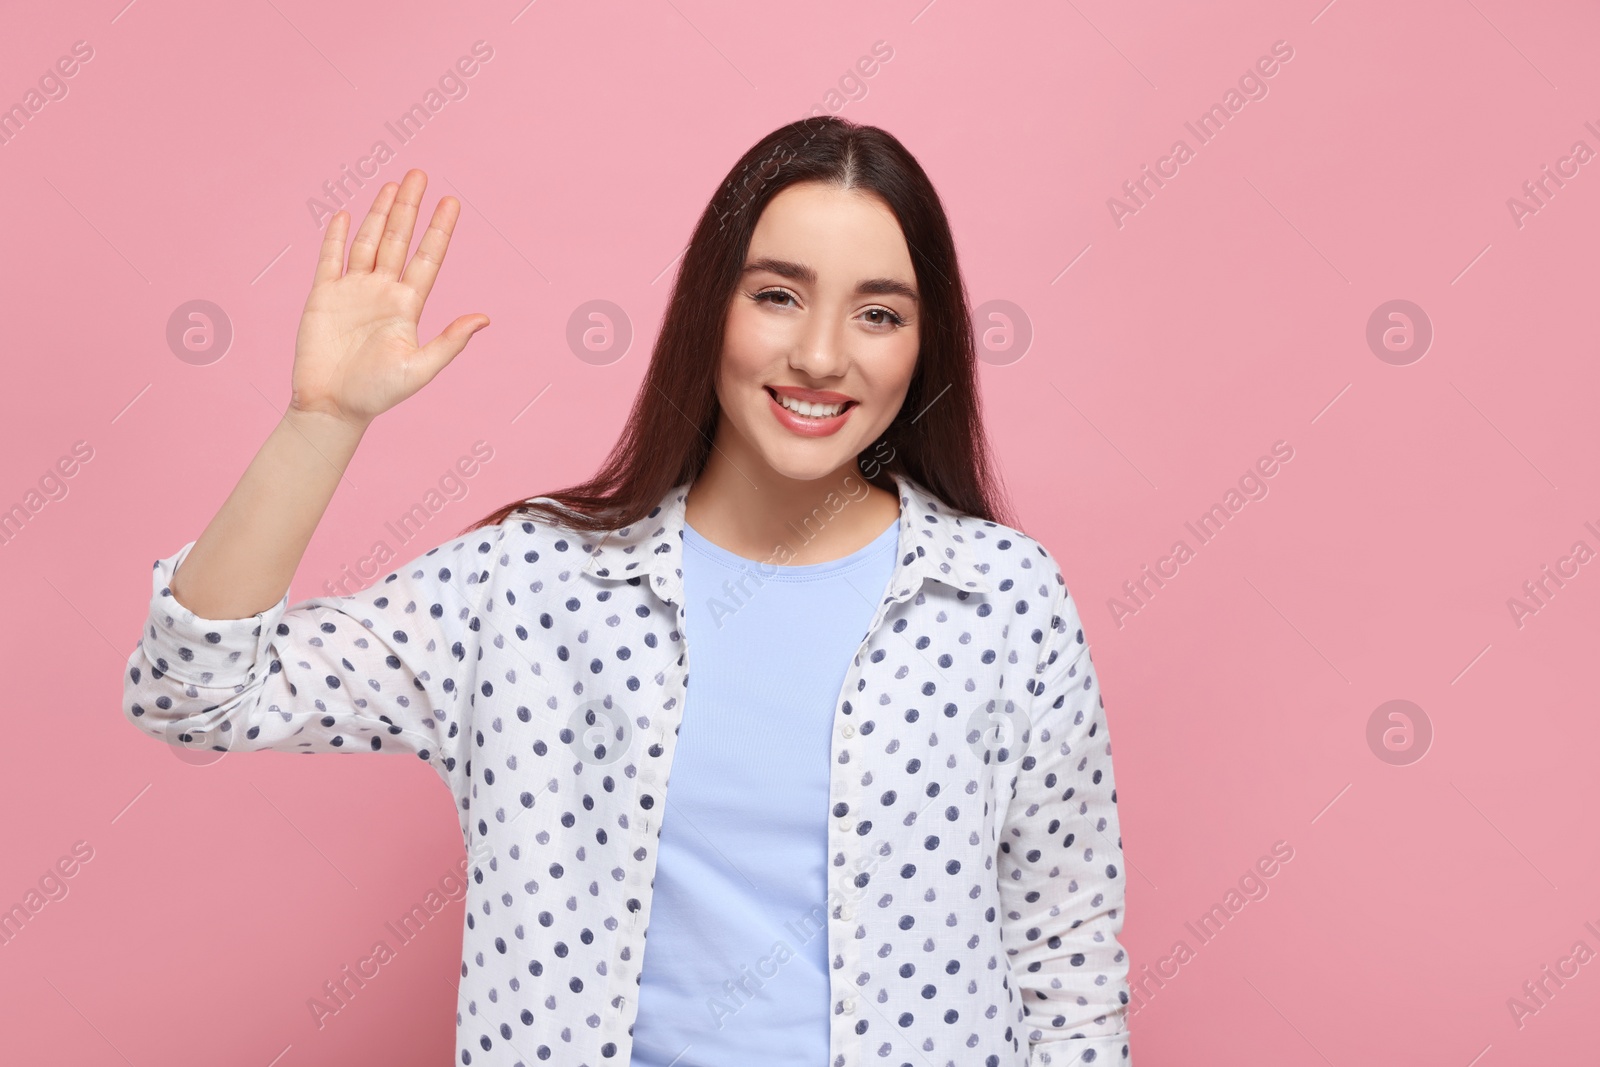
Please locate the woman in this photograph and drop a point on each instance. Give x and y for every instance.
(892, 835)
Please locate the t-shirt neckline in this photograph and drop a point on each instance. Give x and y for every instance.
(769, 568)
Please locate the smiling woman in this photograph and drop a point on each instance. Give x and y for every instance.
(894, 768)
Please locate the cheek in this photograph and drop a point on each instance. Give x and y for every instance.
(896, 369)
(908, 357)
(743, 363)
(745, 342)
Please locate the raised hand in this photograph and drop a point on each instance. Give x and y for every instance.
(356, 353)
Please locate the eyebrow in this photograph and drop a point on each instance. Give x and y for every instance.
(801, 273)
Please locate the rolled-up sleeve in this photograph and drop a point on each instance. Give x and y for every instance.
(1061, 864)
(388, 669)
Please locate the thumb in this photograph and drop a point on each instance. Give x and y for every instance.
(437, 353)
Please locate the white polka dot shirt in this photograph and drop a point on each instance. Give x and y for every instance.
(975, 892)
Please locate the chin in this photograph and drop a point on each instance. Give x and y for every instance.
(808, 464)
(807, 471)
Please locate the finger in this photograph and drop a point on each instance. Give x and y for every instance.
(330, 259)
(437, 353)
(365, 247)
(424, 266)
(402, 218)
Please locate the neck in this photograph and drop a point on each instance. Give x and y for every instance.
(761, 514)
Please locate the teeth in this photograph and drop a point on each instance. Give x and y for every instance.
(815, 411)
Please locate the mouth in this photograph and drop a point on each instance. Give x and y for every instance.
(808, 419)
(808, 410)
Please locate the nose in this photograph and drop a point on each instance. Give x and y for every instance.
(819, 351)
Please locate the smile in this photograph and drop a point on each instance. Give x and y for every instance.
(806, 418)
(808, 409)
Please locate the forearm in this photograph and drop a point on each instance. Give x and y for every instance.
(243, 562)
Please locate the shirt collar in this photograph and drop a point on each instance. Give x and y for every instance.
(935, 543)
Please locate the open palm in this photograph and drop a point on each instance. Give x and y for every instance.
(356, 353)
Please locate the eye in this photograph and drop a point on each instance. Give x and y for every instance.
(893, 318)
(781, 293)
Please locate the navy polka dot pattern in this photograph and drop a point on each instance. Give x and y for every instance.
(975, 860)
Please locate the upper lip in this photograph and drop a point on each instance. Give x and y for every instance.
(813, 396)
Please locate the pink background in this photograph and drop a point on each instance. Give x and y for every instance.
(1168, 353)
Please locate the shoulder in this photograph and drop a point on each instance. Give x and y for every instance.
(534, 538)
(1012, 561)
(1028, 576)
(1011, 558)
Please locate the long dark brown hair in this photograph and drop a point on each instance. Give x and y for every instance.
(936, 438)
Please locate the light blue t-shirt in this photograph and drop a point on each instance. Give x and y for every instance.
(735, 966)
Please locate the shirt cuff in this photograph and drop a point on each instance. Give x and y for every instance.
(200, 651)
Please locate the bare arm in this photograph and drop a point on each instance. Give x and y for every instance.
(356, 356)
(243, 562)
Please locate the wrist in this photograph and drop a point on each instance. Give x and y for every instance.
(334, 437)
(325, 422)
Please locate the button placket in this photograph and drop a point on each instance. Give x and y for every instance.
(624, 974)
(840, 942)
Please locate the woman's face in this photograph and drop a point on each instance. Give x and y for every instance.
(825, 314)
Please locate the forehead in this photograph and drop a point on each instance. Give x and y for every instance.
(833, 229)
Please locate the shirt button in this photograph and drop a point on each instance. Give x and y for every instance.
(849, 1006)
(846, 913)
(848, 730)
(846, 823)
